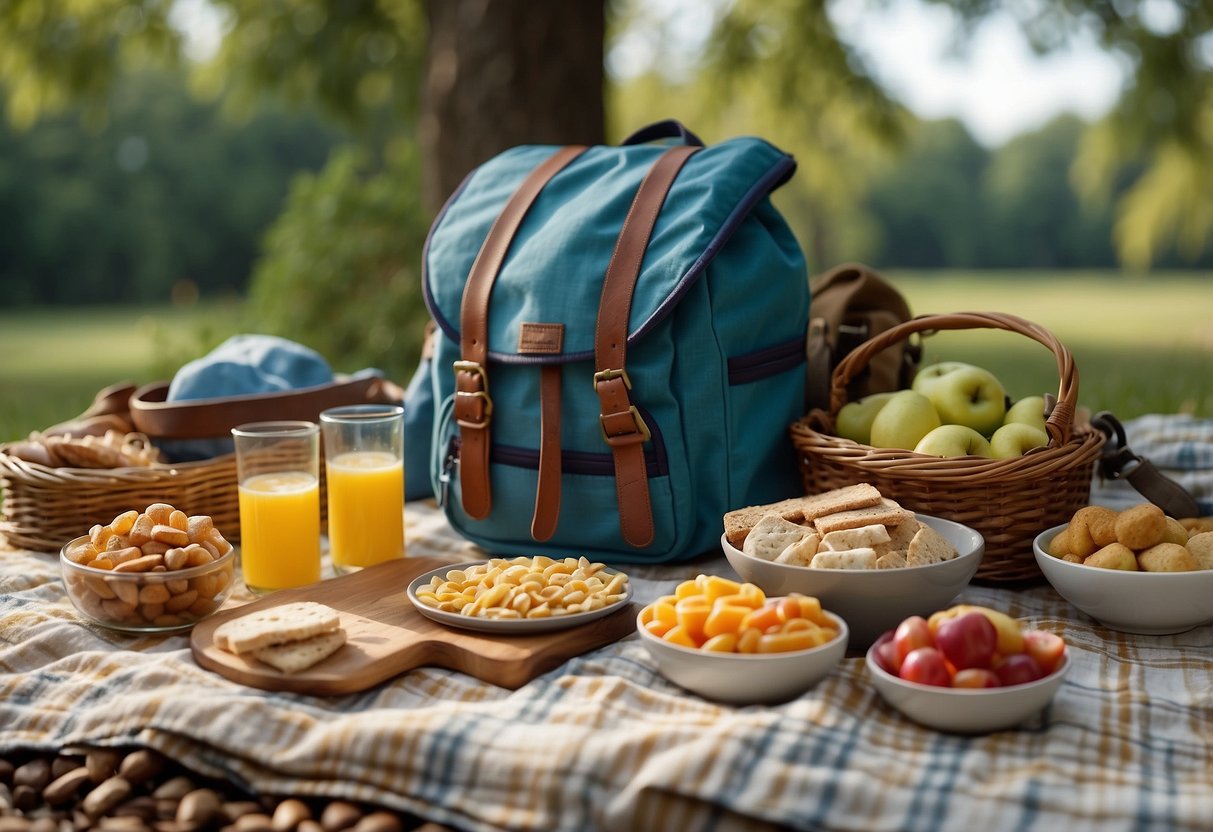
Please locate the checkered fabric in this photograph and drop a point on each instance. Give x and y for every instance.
(604, 742)
(1179, 446)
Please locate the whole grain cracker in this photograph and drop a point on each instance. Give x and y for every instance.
(275, 625)
(295, 656)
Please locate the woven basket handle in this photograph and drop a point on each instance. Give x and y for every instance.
(1060, 421)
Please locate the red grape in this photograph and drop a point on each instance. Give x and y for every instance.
(926, 666)
(976, 677)
(967, 641)
(885, 654)
(1047, 648)
(1019, 669)
(911, 634)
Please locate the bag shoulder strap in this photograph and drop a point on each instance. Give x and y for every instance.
(473, 406)
(622, 427)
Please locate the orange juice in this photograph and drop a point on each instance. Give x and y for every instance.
(366, 508)
(280, 530)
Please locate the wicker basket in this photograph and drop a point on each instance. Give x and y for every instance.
(44, 507)
(1009, 501)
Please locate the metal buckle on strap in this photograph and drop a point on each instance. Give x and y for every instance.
(607, 375)
(474, 368)
(641, 429)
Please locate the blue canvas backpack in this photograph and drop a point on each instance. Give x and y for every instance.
(620, 345)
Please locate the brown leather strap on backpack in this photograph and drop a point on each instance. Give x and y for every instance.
(622, 427)
(208, 418)
(473, 405)
(547, 491)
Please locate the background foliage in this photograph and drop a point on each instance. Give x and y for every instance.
(290, 166)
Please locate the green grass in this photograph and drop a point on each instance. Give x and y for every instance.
(52, 361)
(1141, 345)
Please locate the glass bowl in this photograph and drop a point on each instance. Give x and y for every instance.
(148, 602)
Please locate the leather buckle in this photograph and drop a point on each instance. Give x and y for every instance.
(639, 429)
(463, 396)
(607, 375)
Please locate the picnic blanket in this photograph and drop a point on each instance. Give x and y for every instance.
(606, 743)
(1178, 445)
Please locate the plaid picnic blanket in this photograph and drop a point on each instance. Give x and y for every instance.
(1178, 445)
(605, 742)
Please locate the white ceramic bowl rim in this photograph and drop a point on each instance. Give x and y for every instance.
(172, 574)
(1137, 574)
(841, 626)
(861, 574)
(877, 669)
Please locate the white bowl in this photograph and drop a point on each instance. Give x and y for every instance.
(966, 710)
(872, 600)
(746, 678)
(1147, 603)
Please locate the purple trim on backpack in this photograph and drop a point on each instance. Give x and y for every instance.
(766, 362)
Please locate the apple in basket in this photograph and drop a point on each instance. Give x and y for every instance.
(1030, 410)
(963, 394)
(954, 440)
(904, 420)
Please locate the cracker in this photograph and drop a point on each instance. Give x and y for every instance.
(802, 510)
(275, 625)
(887, 513)
(850, 559)
(295, 656)
(857, 538)
(895, 559)
(801, 554)
(771, 536)
(899, 538)
(929, 546)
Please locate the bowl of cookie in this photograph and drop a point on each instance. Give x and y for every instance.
(1134, 571)
(866, 558)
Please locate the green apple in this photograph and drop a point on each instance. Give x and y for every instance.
(905, 418)
(963, 395)
(953, 440)
(1029, 410)
(854, 420)
(1017, 438)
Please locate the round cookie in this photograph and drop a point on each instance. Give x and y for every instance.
(1141, 526)
(1100, 522)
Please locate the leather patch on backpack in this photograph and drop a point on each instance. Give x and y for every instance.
(547, 339)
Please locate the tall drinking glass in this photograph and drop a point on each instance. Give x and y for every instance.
(364, 475)
(278, 468)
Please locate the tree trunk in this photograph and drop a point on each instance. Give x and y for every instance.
(505, 72)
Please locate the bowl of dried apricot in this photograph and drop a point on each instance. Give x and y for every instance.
(729, 642)
(1135, 570)
(155, 571)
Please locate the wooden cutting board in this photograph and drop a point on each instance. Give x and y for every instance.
(387, 637)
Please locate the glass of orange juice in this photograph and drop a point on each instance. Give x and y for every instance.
(278, 471)
(364, 475)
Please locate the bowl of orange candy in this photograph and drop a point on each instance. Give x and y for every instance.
(728, 642)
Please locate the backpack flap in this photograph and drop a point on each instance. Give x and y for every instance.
(543, 311)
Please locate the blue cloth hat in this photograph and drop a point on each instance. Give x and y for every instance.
(240, 366)
(247, 364)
